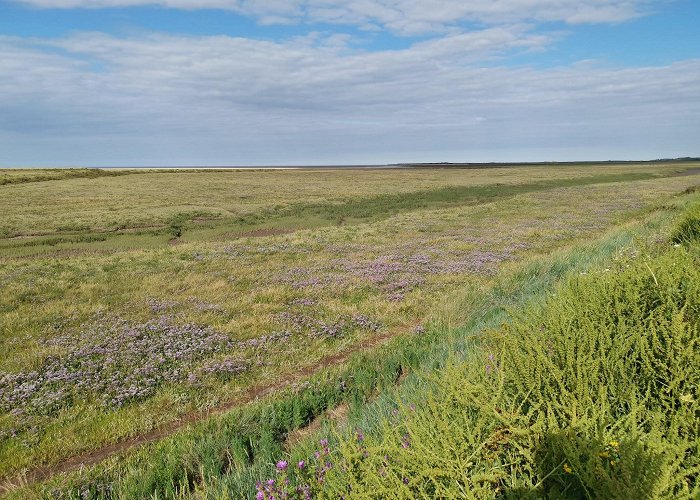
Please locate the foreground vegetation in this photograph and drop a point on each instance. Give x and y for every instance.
(220, 336)
(592, 395)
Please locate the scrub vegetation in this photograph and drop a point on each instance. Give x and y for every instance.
(527, 331)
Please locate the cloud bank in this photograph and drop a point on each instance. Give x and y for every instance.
(400, 16)
(94, 98)
(99, 99)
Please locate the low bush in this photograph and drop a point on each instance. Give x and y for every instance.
(593, 395)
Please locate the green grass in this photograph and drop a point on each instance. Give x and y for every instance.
(228, 454)
(687, 229)
(382, 206)
(118, 200)
(593, 394)
(62, 284)
(22, 176)
(205, 225)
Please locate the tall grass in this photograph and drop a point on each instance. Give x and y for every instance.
(97, 201)
(688, 227)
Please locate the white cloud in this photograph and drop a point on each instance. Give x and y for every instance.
(98, 99)
(400, 16)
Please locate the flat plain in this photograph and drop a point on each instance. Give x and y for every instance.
(133, 301)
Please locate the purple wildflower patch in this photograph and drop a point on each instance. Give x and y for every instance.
(116, 362)
(161, 306)
(320, 328)
(225, 368)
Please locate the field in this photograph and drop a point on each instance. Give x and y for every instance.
(180, 332)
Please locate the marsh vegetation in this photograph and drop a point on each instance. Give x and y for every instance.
(173, 329)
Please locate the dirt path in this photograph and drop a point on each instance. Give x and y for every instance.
(253, 393)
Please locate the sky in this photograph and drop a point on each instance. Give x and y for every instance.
(285, 82)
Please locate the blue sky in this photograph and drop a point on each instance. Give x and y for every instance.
(233, 82)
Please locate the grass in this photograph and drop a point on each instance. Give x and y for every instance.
(396, 259)
(133, 200)
(593, 394)
(22, 176)
(229, 454)
(382, 206)
(688, 228)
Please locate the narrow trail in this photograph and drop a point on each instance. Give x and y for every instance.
(90, 458)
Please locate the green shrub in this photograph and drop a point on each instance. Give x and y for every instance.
(594, 395)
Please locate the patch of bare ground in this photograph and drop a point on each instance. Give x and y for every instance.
(94, 457)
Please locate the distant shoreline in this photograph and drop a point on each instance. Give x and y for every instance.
(465, 165)
(417, 165)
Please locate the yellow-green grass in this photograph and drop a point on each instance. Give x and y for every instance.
(240, 285)
(24, 175)
(226, 456)
(144, 199)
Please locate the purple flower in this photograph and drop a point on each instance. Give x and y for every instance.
(301, 464)
(324, 443)
(115, 361)
(260, 495)
(282, 465)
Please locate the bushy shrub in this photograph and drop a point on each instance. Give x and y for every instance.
(594, 395)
